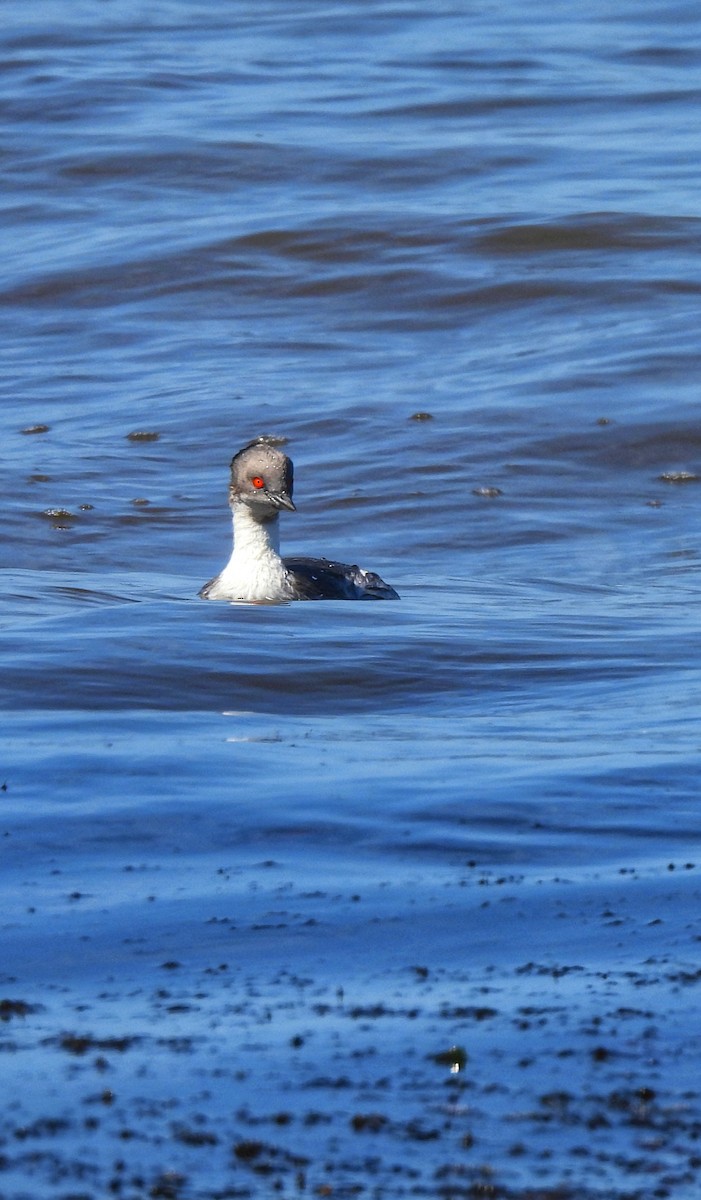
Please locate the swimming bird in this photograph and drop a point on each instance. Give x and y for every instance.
(259, 490)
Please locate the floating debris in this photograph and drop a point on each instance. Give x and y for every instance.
(58, 514)
(368, 1122)
(248, 1150)
(272, 439)
(421, 416)
(488, 492)
(16, 1008)
(455, 1058)
(36, 429)
(80, 1044)
(194, 1137)
(143, 435)
(679, 477)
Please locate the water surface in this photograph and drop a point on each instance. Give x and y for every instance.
(338, 898)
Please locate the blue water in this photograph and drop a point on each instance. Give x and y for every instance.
(263, 867)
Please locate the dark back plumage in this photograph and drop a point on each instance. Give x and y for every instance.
(320, 579)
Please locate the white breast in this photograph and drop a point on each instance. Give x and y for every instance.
(255, 573)
(251, 583)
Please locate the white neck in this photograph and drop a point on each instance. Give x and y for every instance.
(254, 537)
(255, 572)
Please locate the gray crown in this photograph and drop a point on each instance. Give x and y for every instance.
(262, 478)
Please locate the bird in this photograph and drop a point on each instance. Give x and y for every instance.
(260, 488)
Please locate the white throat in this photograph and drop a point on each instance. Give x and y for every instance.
(255, 573)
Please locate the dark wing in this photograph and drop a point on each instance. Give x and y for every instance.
(204, 590)
(319, 579)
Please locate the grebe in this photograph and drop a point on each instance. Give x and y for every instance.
(260, 488)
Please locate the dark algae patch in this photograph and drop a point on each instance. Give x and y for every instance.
(16, 1008)
(80, 1044)
(539, 1095)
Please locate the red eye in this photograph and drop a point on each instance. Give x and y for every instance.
(258, 482)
